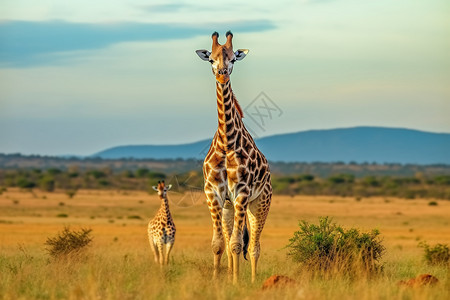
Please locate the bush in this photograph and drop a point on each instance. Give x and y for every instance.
(442, 179)
(24, 183)
(47, 183)
(73, 174)
(328, 247)
(68, 242)
(156, 176)
(127, 174)
(142, 172)
(371, 181)
(71, 193)
(305, 177)
(438, 254)
(97, 174)
(341, 178)
(54, 171)
(103, 182)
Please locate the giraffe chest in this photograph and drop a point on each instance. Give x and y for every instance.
(234, 173)
(162, 222)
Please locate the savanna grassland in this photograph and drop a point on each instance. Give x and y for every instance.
(119, 264)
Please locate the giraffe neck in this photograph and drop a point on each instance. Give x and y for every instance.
(229, 116)
(164, 209)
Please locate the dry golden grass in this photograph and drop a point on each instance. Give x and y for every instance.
(121, 254)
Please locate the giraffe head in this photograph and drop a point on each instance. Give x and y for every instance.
(222, 57)
(162, 189)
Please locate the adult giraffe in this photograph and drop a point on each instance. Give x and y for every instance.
(236, 173)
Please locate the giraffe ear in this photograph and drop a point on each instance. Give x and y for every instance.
(169, 187)
(203, 54)
(155, 188)
(241, 53)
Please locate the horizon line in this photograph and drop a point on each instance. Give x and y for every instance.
(206, 139)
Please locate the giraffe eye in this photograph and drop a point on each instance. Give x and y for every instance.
(233, 60)
(211, 61)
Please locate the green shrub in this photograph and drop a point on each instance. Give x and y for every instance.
(328, 247)
(305, 177)
(127, 174)
(432, 203)
(438, 254)
(442, 179)
(73, 174)
(25, 183)
(54, 171)
(281, 187)
(156, 176)
(142, 172)
(103, 182)
(371, 181)
(71, 193)
(341, 178)
(96, 174)
(47, 183)
(68, 242)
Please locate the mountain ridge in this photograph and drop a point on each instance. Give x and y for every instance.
(352, 144)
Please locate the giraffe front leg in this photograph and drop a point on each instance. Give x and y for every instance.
(154, 250)
(228, 222)
(152, 246)
(236, 242)
(258, 210)
(217, 243)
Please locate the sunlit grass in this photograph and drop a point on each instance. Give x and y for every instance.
(119, 263)
(108, 275)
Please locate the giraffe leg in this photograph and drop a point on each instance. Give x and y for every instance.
(227, 222)
(218, 243)
(168, 249)
(159, 247)
(257, 213)
(153, 247)
(236, 242)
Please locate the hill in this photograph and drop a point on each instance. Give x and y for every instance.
(358, 144)
(184, 151)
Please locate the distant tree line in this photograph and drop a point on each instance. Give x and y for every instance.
(178, 166)
(418, 186)
(341, 184)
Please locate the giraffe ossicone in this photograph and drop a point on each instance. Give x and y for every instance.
(161, 229)
(236, 173)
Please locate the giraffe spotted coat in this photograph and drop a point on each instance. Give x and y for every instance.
(161, 229)
(236, 173)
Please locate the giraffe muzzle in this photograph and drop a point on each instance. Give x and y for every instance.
(222, 78)
(223, 71)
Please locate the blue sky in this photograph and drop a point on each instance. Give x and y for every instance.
(77, 77)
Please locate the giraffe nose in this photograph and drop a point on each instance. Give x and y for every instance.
(223, 71)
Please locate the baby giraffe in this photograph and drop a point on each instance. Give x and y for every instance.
(161, 230)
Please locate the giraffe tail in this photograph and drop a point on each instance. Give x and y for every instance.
(246, 238)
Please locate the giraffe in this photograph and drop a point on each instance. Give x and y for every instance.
(161, 229)
(236, 173)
